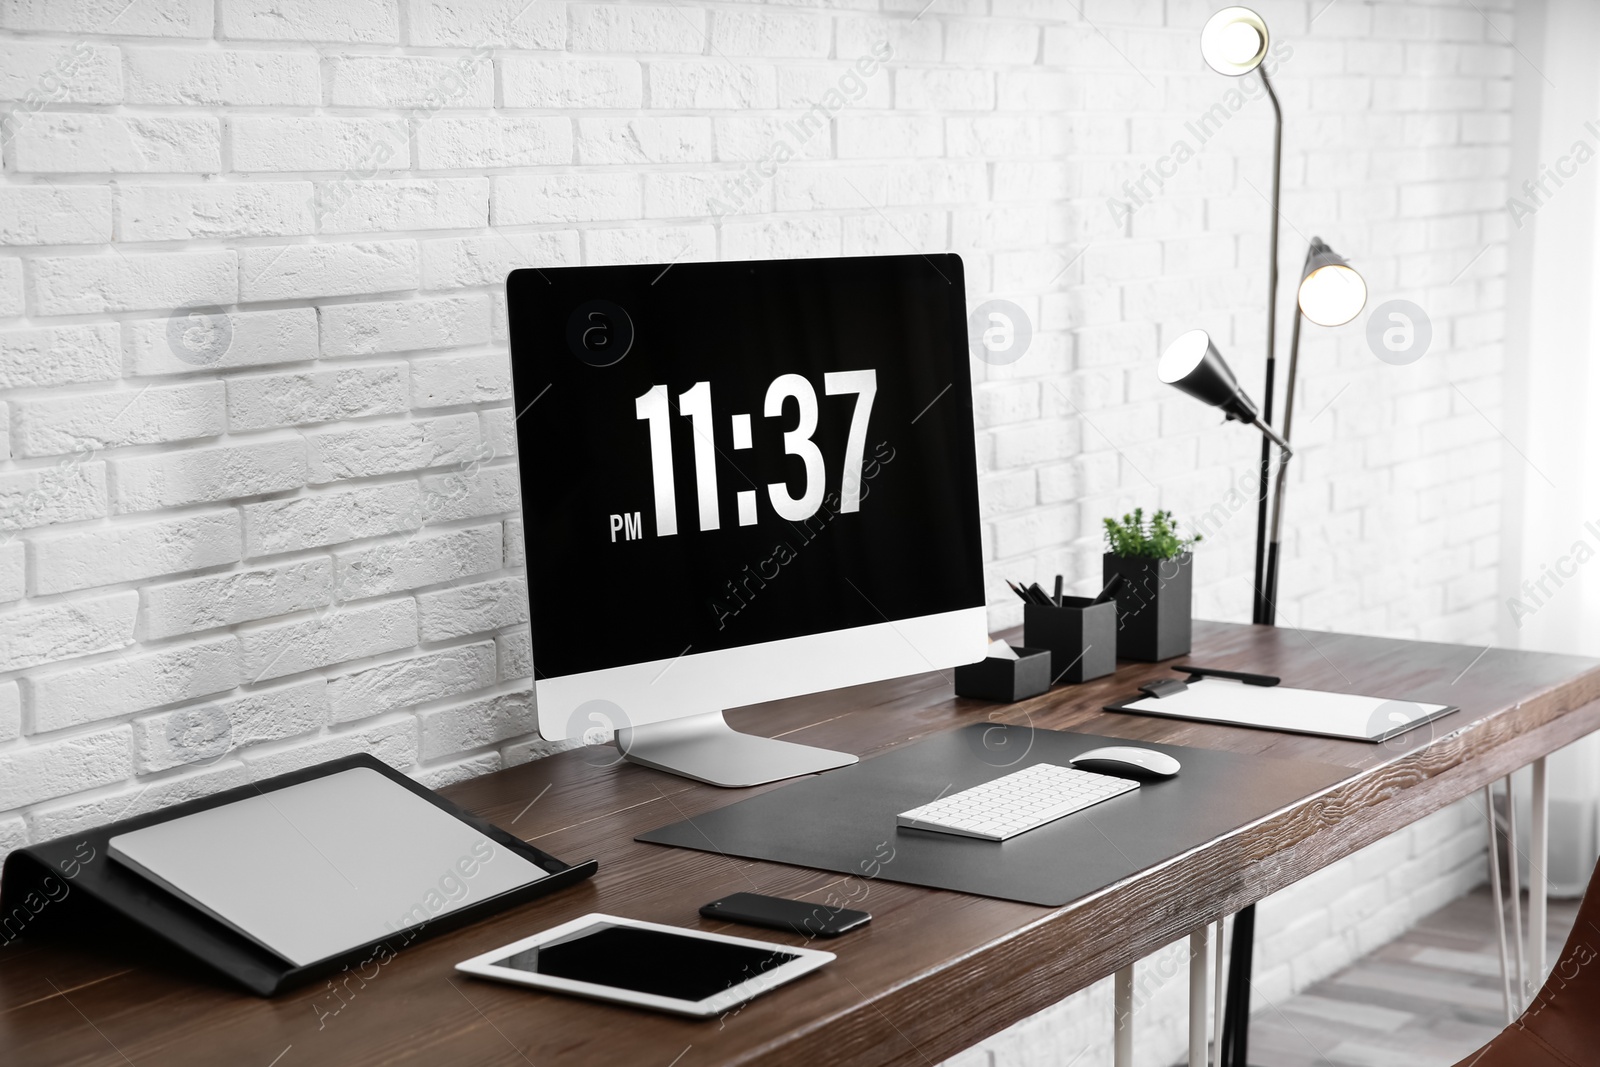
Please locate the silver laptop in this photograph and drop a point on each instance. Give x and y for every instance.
(315, 869)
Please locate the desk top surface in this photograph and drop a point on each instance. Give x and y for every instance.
(933, 973)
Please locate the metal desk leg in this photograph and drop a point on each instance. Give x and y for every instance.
(1538, 878)
(1499, 900)
(1199, 952)
(1236, 1027)
(1217, 993)
(1514, 890)
(1122, 1036)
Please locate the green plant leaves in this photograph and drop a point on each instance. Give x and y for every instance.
(1156, 539)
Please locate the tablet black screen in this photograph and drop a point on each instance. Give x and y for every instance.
(647, 961)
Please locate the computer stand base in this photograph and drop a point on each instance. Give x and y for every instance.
(707, 749)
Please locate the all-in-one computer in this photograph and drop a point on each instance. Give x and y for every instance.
(742, 481)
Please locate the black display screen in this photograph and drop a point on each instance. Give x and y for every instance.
(715, 455)
(648, 961)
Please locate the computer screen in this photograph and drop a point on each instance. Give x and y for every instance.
(718, 456)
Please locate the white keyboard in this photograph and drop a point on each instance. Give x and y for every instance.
(1021, 801)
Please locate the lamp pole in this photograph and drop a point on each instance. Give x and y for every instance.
(1265, 611)
(1269, 590)
(1234, 42)
(1331, 293)
(1235, 1037)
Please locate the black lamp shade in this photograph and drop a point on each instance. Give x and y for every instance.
(1192, 364)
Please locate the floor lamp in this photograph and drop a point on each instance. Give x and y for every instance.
(1234, 42)
(1331, 293)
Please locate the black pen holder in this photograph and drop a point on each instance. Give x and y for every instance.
(1080, 635)
(1005, 680)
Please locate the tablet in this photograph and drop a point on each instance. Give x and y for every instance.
(320, 867)
(648, 965)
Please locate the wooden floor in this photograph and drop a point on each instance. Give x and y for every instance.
(1426, 1000)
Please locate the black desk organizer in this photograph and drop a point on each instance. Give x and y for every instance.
(1080, 635)
(1003, 680)
(34, 878)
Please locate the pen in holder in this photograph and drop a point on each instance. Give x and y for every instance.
(1080, 635)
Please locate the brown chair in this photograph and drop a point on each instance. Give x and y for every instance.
(1561, 1028)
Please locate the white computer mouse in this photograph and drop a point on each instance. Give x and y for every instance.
(1127, 761)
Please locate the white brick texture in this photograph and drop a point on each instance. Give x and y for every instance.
(110, 688)
(196, 476)
(59, 355)
(404, 325)
(117, 144)
(259, 402)
(54, 215)
(470, 609)
(80, 73)
(10, 288)
(236, 596)
(303, 271)
(413, 562)
(236, 209)
(412, 681)
(209, 731)
(246, 78)
(259, 503)
(356, 206)
(337, 635)
(32, 635)
(153, 414)
(107, 555)
(204, 340)
(393, 447)
(125, 281)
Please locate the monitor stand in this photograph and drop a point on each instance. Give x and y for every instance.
(707, 749)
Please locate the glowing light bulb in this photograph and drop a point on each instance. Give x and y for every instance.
(1182, 356)
(1234, 41)
(1239, 42)
(1333, 295)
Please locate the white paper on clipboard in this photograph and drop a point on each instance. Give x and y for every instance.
(1301, 711)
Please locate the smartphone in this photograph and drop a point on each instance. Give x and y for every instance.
(796, 916)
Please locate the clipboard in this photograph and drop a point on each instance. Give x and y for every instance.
(71, 877)
(1259, 702)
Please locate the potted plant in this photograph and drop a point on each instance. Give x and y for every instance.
(1155, 598)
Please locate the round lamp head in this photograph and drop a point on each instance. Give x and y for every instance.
(1234, 41)
(1193, 365)
(1332, 292)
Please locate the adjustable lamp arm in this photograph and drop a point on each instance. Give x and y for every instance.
(1272, 435)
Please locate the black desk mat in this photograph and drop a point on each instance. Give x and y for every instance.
(844, 820)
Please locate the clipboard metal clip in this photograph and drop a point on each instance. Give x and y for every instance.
(1167, 687)
(1197, 673)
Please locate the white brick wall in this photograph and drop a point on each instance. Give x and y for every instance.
(258, 502)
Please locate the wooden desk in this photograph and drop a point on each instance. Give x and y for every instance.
(934, 972)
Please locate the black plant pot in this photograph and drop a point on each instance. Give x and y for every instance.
(1155, 605)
